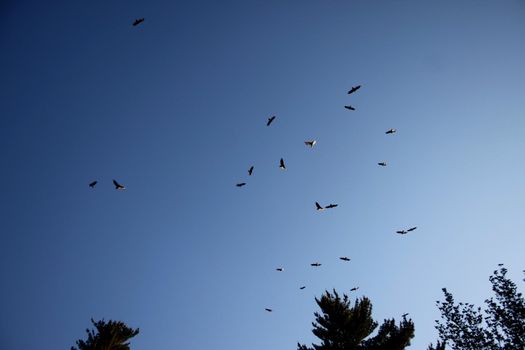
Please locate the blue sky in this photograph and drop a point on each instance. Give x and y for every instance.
(175, 109)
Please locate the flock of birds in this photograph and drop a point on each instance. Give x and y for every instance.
(282, 166)
(318, 206)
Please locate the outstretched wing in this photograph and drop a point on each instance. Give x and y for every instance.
(117, 185)
(354, 89)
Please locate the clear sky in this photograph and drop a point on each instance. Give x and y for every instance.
(175, 109)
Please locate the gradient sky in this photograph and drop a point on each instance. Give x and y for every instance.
(175, 109)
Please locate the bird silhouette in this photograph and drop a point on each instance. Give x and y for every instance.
(404, 232)
(310, 143)
(250, 171)
(350, 108)
(280, 269)
(381, 163)
(390, 131)
(118, 186)
(318, 206)
(330, 206)
(241, 184)
(269, 310)
(344, 258)
(138, 21)
(316, 264)
(303, 287)
(93, 184)
(270, 120)
(281, 164)
(354, 289)
(354, 89)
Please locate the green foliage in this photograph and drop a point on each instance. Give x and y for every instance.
(112, 335)
(341, 326)
(500, 326)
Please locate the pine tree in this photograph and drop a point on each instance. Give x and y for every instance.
(341, 326)
(500, 326)
(439, 346)
(113, 335)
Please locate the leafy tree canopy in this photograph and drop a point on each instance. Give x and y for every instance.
(499, 326)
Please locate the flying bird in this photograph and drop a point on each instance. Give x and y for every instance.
(270, 120)
(118, 186)
(138, 21)
(269, 310)
(330, 206)
(310, 143)
(404, 232)
(316, 264)
(280, 269)
(250, 171)
(390, 131)
(350, 108)
(381, 163)
(241, 184)
(344, 258)
(281, 164)
(354, 289)
(318, 206)
(303, 287)
(354, 89)
(93, 184)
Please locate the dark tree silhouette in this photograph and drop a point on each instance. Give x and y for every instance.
(111, 335)
(439, 346)
(345, 327)
(500, 326)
